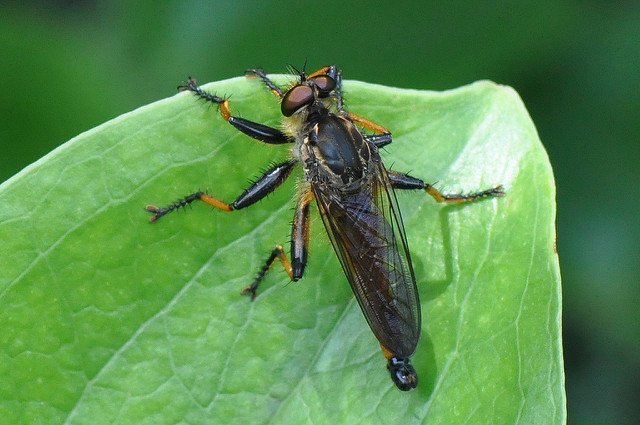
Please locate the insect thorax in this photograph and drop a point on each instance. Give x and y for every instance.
(333, 152)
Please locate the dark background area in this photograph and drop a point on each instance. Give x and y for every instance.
(68, 66)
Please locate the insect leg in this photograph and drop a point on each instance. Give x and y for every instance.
(336, 74)
(300, 234)
(382, 136)
(258, 131)
(330, 70)
(299, 246)
(266, 184)
(277, 253)
(405, 181)
(379, 140)
(259, 72)
(368, 124)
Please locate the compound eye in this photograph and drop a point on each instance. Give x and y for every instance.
(295, 99)
(325, 84)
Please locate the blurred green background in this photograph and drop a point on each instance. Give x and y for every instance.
(68, 66)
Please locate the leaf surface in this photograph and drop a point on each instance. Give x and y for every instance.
(106, 318)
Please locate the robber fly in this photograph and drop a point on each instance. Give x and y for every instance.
(345, 176)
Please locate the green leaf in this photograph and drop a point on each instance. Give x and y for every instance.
(106, 318)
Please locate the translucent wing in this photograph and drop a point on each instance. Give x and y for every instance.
(368, 236)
